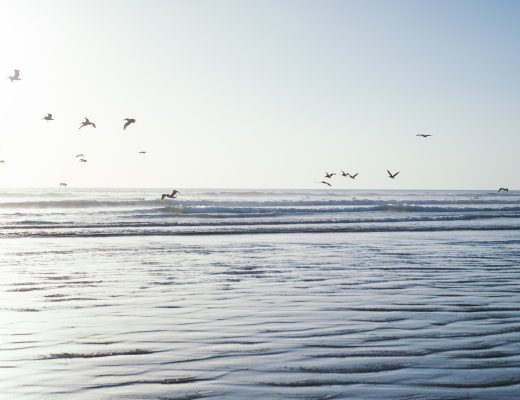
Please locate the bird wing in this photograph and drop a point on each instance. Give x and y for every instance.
(93, 124)
(389, 173)
(126, 124)
(353, 176)
(397, 173)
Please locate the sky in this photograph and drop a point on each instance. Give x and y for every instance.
(261, 93)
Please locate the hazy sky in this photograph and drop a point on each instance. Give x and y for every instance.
(261, 94)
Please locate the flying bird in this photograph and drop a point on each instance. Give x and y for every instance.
(63, 184)
(326, 183)
(2, 162)
(353, 176)
(343, 173)
(128, 122)
(171, 195)
(142, 152)
(503, 189)
(48, 117)
(16, 76)
(423, 135)
(390, 175)
(327, 175)
(82, 160)
(80, 155)
(87, 123)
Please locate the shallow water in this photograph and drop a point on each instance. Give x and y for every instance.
(393, 315)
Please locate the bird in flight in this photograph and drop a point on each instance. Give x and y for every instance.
(142, 152)
(2, 161)
(326, 183)
(503, 190)
(390, 175)
(128, 122)
(48, 117)
(423, 135)
(327, 175)
(63, 184)
(16, 76)
(343, 173)
(80, 155)
(171, 195)
(353, 176)
(82, 160)
(87, 123)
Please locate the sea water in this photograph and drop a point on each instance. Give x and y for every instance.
(115, 294)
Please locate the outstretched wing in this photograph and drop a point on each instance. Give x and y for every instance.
(389, 173)
(126, 124)
(397, 173)
(93, 124)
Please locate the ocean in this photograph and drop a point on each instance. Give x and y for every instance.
(259, 294)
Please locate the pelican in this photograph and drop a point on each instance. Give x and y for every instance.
(82, 160)
(80, 155)
(423, 135)
(326, 183)
(63, 184)
(87, 123)
(503, 190)
(327, 175)
(16, 76)
(48, 117)
(128, 122)
(390, 175)
(142, 152)
(170, 196)
(353, 176)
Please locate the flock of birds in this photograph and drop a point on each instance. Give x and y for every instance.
(391, 175)
(129, 121)
(49, 117)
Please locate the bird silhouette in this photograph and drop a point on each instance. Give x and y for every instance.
(423, 135)
(82, 160)
(63, 184)
(128, 122)
(390, 175)
(326, 183)
(142, 152)
(353, 176)
(343, 173)
(80, 155)
(16, 76)
(87, 123)
(172, 195)
(48, 117)
(329, 175)
(503, 189)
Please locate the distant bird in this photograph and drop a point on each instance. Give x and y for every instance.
(80, 155)
(390, 175)
(16, 76)
(48, 117)
(63, 184)
(353, 176)
(343, 173)
(82, 160)
(87, 123)
(171, 195)
(128, 122)
(327, 175)
(142, 152)
(326, 183)
(503, 190)
(423, 135)
(2, 162)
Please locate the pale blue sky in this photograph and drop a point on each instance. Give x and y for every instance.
(261, 94)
